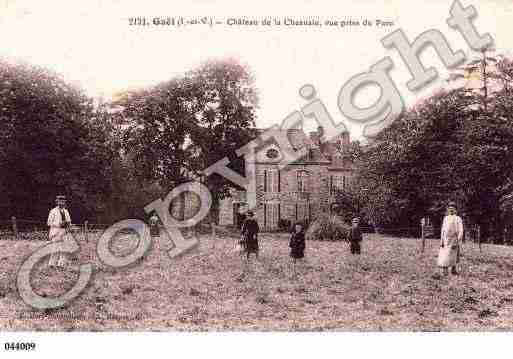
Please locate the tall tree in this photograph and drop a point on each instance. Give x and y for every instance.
(444, 148)
(226, 119)
(180, 127)
(51, 140)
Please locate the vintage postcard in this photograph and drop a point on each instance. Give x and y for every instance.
(214, 166)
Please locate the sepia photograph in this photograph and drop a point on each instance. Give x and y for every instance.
(255, 167)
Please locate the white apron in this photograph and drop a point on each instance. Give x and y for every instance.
(447, 257)
(56, 233)
(448, 254)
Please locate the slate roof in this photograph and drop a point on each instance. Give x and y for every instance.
(325, 153)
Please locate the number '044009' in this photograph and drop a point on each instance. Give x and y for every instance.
(19, 346)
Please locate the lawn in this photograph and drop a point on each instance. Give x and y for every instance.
(390, 287)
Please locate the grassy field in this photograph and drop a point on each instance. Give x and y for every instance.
(390, 287)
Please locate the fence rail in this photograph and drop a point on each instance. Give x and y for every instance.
(28, 229)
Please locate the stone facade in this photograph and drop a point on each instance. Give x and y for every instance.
(300, 191)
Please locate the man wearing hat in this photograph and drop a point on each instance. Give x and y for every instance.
(58, 220)
(450, 240)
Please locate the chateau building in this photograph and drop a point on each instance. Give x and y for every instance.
(301, 190)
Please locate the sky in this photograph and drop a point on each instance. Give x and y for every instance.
(92, 44)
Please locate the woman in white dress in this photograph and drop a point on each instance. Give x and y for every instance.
(450, 240)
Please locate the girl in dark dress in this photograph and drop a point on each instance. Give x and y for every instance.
(297, 244)
(250, 235)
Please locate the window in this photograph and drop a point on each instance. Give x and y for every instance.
(302, 181)
(302, 211)
(272, 153)
(271, 215)
(339, 183)
(272, 181)
(310, 154)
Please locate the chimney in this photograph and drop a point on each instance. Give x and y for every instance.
(296, 138)
(344, 142)
(320, 133)
(314, 137)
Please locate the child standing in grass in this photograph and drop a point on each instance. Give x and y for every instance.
(355, 237)
(297, 242)
(250, 231)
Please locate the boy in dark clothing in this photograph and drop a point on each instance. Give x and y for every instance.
(355, 236)
(297, 242)
(250, 231)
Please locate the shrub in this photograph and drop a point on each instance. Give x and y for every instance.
(328, 227)
(285, 225)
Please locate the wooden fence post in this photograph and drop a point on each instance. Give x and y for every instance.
(213, 234)
(423, 233)
(86, 224)
(423, 236)
(14, 227)
(479, 237)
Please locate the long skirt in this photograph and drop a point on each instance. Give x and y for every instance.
(297, 251)
(250, 243)
(154, 230)
(355, 248)
(447, 256)
(58, 258)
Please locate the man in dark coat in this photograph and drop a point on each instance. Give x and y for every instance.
(250, 235)
(355, 237)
